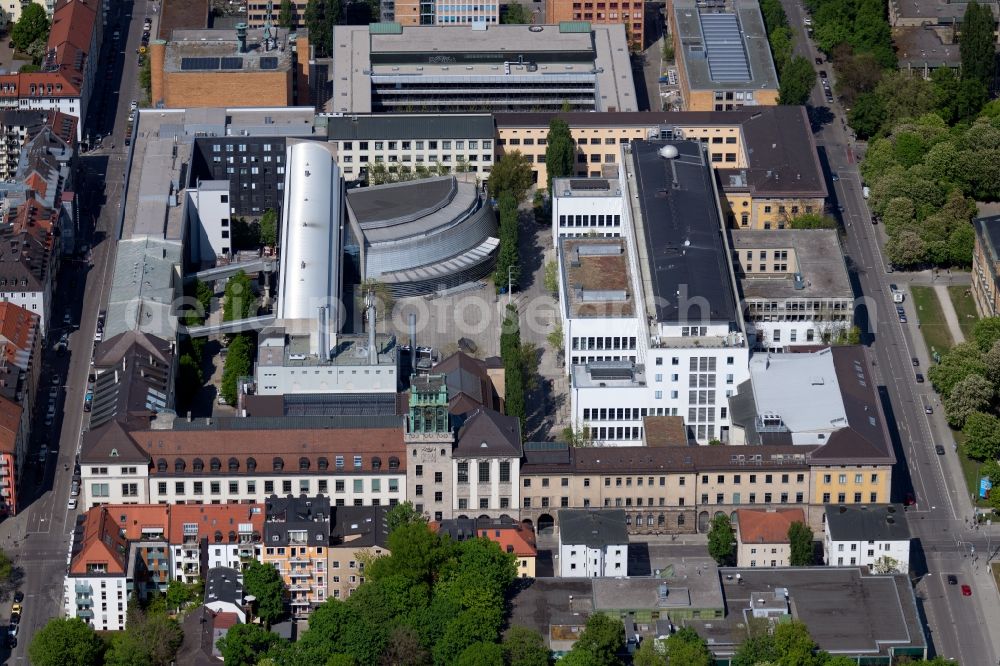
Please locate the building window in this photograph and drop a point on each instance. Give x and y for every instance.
(484, 472)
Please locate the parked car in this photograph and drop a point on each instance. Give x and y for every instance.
(939, 449)
(71, 504)
(822, 74)
(15, 619)
(16, 608)
(915, 361)
(819, 61)
(966, 591)
(919, 377)
(910, 499)
(952, 579)
(18, 597)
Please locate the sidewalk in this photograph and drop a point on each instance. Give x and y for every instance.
(950, 316)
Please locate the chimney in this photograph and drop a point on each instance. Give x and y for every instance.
(241, 37)
(413, 342)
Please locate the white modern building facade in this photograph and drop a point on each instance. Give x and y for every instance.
(587, 207)
(209, 230)
(690, 350)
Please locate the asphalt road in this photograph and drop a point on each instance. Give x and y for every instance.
(38, 537)
(946, 543)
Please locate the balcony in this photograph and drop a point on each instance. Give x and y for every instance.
(85, 614)
(84, 588)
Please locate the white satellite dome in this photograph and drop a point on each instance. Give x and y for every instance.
(669, 152)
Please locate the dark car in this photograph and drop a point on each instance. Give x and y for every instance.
(18, 597)
(822, 73)
(15, 618)
(919, 377)
(819, 61)
(952, 579)
(12, 642)
(915, 361)
(939, 449)
(966, 591)
(910, 499)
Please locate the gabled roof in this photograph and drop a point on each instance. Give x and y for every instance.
(112, 351)
(767, 526)
(111, 443)
(18, 327)
(469, 385)
(359, 527)
(511, 536)
(488, 434)
(218, 523)
(99, 541)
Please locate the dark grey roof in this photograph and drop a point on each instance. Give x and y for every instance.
(308, 405)
(133, 376)
(488, 434)
(988, 230)
(409, 127)
(469, 386)
(348, 421)
(683, 234)
(359, 527)
(546, 453)
(782, 155)
(290, 514)
(224, 584)
(618, 118)
(386, 204)
(111, 443)
(592, 528)
(864, 522)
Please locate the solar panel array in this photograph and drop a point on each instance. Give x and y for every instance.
(269, 62)
(590, 184)
(727, 59)
(199, 64)
(202, 64)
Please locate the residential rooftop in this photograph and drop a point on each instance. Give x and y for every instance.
(594, 528)
(685, 249)
(867, 522)
(587, 188)
(762, 526)
(724, 50)
(819, 270)
(596, 279)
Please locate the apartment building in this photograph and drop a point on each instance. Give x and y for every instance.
(723, 57)
(629, 14)
(133, 372)
(794, 285)
(96, 587)
(296, 540)
(13, 452)
(691, 350)
(513, 537)
(355, 461)
(592, 543)
(357, 535)
(986, 266)
(411, 143)
(873, 536)
(204, 537)
(762, 536)
(68, 71)
(392, 68)
(17, 127)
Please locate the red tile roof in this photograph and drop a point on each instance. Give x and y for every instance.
(18, 327)
(101, 542)
(214, 520)
(767, 526)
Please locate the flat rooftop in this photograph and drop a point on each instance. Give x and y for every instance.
(846, 611)
(389, 212)
(926, 46)
(380, 126)
(943, 11)
(586, 188)
(217, 51)
(687, 260)
(596, 281)
(182, 14)
(724, 50)
(819, 260)
(462, 54)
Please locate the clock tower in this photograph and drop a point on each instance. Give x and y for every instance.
(429, 443)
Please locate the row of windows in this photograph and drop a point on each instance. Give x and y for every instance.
(610, 342)
(483, 472)
(277, 464)
(590, 220)
(419, 145)
(286, 485)
(242, 148)
(433, 158)
(581, 360)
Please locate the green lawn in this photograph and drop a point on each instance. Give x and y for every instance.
(970, 469)
(965, 308)
(931, 318)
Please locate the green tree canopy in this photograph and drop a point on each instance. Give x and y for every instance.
(688, 648)
(31, 27)
(971, 394)
(812, 221)
(977, 44)
(560, 151)
(511, 173)
(800, 539)
(319, 17)
(525, 647)
(269, 228)
(65, 642)
(243, 644)
(986, 333)
(149, 639)
(797, 81)
(602, 638)
(721, 541)
(264, 582)
(961, 361)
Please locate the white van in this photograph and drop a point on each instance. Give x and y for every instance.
(865, 191)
